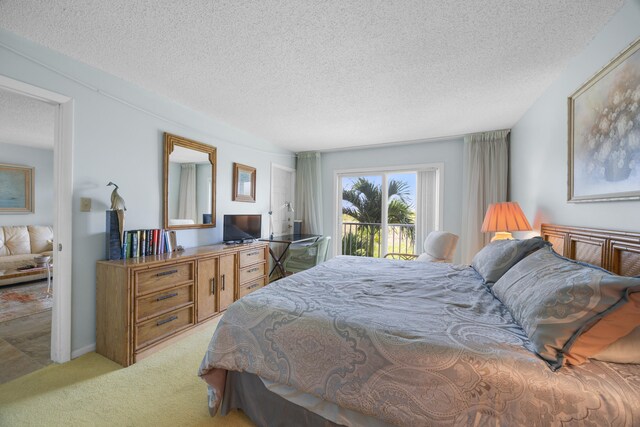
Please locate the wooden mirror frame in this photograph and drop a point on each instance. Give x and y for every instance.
(170, 141)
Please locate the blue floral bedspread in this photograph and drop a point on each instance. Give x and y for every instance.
(413, 344)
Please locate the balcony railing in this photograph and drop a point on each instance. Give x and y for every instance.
(365, 239)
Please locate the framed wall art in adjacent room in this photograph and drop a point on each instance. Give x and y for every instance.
(604, 133)
(16, 189)
(244, 183)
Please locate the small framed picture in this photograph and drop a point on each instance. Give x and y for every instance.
(16, 189)
(244, 183)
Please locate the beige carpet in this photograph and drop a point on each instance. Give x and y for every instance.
(162, 390)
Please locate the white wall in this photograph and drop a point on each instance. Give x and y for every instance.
(539, 140)
(448, 152)
(118, 131)
(42, 160)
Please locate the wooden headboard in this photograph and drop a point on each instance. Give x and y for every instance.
(616, 251)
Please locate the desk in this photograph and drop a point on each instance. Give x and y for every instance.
(288, 240)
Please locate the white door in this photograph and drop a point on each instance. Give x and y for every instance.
(282, 203)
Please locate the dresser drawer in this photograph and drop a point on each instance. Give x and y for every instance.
(254, 285)
(163, 326)
(167, 300)
(252, 272)
(251, 256)
(163, 277)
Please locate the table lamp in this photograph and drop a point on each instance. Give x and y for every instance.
(502, 218)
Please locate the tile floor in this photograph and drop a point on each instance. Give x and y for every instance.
(25, 345)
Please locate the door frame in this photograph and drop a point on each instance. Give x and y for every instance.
(62, 211)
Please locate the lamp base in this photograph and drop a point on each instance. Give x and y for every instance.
(502, 235)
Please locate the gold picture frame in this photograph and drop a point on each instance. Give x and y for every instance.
(604, 133)
(244, 183)
(16, 189)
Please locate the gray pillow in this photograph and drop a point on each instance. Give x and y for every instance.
(498, 257)
(555, 300)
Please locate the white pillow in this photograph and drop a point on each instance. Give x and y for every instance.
(625, 350)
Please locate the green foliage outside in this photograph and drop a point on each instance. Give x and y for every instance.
(364, 205)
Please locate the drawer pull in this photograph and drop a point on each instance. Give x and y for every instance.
(253, 286)
(166, 273)
(213, 286)
(167, 320)
(252, 253)
(253, 269)
(167, 296)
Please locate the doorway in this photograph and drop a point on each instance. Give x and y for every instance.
(282, 206)
(62, 210)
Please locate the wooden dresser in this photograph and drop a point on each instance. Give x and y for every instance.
(143, 304)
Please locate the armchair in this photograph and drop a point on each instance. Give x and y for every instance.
(439, 246)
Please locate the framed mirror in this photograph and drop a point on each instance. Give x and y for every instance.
(189, 183)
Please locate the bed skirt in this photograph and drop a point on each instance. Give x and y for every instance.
(246, 392)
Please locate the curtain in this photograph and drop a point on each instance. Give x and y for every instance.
(187, 194)
(309, 192)
(486, 169)
(427, 213)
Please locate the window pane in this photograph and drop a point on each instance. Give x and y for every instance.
(401, 213)
(361, 215)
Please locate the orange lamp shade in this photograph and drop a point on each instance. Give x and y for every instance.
(505, 216)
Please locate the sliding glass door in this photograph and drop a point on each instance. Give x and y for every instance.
(378, 214)
(378, 211)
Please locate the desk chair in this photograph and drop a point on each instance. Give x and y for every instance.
(304, 257)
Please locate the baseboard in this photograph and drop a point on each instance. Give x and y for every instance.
(84, 350)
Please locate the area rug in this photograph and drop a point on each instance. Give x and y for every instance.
(24, 300)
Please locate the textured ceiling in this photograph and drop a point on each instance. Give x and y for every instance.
(327, 74)
(26, 121)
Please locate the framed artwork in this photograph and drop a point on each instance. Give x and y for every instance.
(604, 133)
(244, 183)
(16, 189)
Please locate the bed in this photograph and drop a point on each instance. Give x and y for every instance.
(360, 341)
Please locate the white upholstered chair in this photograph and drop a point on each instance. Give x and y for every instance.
(439, 246)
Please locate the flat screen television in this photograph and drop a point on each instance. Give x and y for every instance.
(238, 228)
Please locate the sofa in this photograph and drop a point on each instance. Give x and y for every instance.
(18, 247)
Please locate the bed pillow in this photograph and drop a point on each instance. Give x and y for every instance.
(625, 350)
(499, 256)
(556, 300)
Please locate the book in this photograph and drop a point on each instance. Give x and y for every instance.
(134, 244)
(155, 242)
(143, 242)
(167, 240)
(125, 245)
(129, 239)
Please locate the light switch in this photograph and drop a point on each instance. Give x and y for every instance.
(85, 204)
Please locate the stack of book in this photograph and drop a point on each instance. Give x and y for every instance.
(137, 243)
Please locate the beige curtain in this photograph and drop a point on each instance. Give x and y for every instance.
(187, 208)
(486, 171)
(309, 192)
(427, 211)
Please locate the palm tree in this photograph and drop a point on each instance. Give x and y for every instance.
(364, 200)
